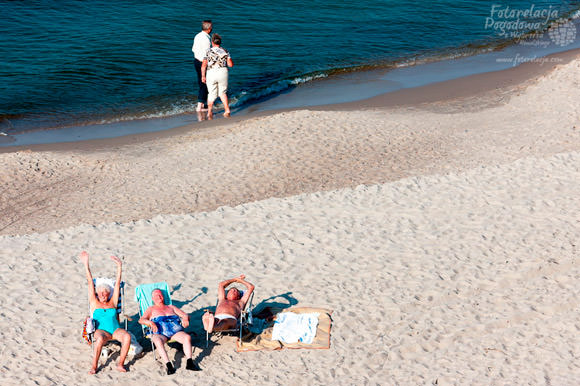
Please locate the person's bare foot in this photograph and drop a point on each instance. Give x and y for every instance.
(121, 368)
(93, 370)
(209, 114)
(227, 114)
(208, 321)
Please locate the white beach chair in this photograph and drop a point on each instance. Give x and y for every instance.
(120, 304)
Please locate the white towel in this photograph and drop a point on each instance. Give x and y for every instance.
(291, 328)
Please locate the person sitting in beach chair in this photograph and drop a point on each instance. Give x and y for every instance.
(229, 307)
(167, 322)
(104, 308)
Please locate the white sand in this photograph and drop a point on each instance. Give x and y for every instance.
(467, 276)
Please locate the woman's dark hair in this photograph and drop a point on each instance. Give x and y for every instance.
(216, 39)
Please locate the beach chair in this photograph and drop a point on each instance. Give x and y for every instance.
(143, 297)
(120, 303)
(244, 320)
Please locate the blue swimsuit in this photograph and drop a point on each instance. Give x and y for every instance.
(168, 325)
(106, 319)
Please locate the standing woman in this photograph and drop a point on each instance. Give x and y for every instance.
(214, 73)
(104, 308)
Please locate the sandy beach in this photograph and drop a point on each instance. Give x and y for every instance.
(443, 235)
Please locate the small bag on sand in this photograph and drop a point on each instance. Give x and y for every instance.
(135, 348)
(88, 329)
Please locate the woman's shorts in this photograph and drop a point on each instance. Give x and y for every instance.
(217, 83)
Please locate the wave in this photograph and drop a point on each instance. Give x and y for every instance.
(247, 97)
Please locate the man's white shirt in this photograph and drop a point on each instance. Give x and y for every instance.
(201, 44)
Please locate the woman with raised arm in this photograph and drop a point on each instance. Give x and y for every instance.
(104, 308)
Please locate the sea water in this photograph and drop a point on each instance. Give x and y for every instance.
(77, 63)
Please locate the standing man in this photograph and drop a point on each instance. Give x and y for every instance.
(201, 43)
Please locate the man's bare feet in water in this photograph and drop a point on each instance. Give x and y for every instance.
(208, 321)
(121, 368)
(209, 114)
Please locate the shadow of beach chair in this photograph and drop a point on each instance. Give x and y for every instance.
(143, 297)
(244, 321)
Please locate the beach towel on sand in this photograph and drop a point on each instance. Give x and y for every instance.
(290, 327)
(263, 340)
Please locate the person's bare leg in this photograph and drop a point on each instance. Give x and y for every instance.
(185, 339)
(225, 324)
(125, 339)
(208, 321)
(209, 110)
(224, 98)
(100, 337)
(159, 341)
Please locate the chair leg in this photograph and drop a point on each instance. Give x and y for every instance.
(153, 348)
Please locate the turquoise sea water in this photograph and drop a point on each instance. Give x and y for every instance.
(78, 62)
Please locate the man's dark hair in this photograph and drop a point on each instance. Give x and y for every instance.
(205, 25)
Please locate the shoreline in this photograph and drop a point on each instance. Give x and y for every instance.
(470, 86)
(290, 152)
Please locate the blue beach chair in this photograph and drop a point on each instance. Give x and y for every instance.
(143, 297)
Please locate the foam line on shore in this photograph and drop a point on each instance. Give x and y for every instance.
(431, 92)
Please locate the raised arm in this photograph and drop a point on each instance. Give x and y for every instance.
(84, 256)
(146, 320)
(117, 289)
(250, 289)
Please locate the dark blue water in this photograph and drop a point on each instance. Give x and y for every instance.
(83, 62)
